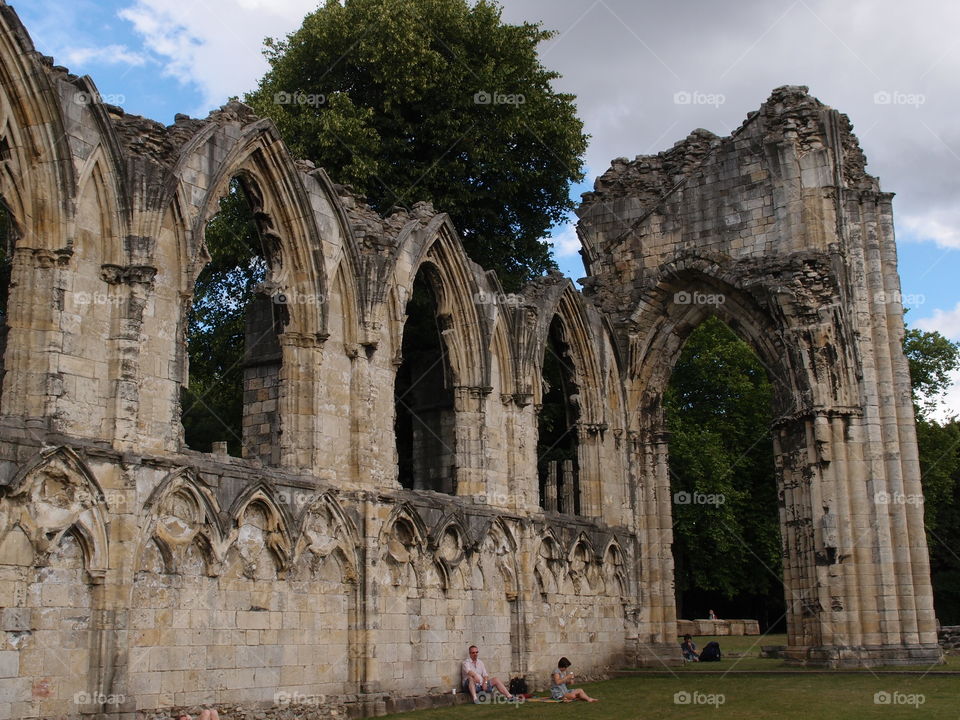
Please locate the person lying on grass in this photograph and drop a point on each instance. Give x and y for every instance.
(559, 690)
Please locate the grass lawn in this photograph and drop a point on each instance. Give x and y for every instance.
(682, 694)
(806, 696)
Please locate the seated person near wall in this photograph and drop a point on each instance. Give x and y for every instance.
(204, 715)
(558, 687)
(689, 649)
(474, 677)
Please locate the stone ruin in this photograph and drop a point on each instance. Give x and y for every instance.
(313, 577)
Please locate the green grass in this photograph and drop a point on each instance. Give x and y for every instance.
(801, 696)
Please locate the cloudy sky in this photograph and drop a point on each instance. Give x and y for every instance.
(645, 72)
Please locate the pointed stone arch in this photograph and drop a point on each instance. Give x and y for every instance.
(582, 564)
(259, 523)
(615, 570)
(549, 563)
(786, 238)
(403, 538)
(435, 253)
(53, 494)
(236, 145)
(182, 511)
(325, 530)
(34, 102)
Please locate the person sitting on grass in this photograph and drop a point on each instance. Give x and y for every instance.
(204, 715)
(474, 677)
(689, 649)
(559, 690)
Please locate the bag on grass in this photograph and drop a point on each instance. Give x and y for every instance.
(518, 686)
(711, 652)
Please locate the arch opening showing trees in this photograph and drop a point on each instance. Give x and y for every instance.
(727, 539)
(7, 242)
(557, 440)
(423, 394)
(232, 335)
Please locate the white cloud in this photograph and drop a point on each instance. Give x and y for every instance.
(565, 241)
(939, 227)
(111, 55)
(947, 323)
(215, 45)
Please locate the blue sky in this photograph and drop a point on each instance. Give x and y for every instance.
(892, 67)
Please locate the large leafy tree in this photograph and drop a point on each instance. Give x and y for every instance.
(727, 553)
(933, 358)
(436, 100)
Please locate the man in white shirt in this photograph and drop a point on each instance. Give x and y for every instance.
(474, 677)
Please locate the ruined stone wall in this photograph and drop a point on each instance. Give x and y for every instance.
(778, 230)
(141, 576)
(145, 576)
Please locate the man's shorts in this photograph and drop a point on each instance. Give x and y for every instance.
(466, 683)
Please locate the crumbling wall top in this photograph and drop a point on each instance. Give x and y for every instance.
(790, 114)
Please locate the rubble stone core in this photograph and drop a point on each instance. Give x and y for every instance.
(138, 576)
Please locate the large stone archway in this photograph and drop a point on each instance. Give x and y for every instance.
(779, 230)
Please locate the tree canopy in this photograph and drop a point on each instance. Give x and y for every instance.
(435, 100)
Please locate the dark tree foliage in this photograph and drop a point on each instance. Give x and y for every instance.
(558, 414)
(213, 401)
(727, 556)
(932, 358)
(6, 257)
(423, 387)
(413, 100)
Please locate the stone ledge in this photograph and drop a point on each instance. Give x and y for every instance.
(717, 627)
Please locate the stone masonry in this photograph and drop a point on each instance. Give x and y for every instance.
(138, 576)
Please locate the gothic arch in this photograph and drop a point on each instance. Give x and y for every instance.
(281, 205)
(182, 511)
(457, 292)
(274, 536)
(54, 494)
(549, 562)
(41, 150)
(326, 530)
(570, 310)
(614, 569)
(661, 325)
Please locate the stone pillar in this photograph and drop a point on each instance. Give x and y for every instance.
(470, 440)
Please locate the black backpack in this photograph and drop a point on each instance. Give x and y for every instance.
(518, 686)
(711, 652)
